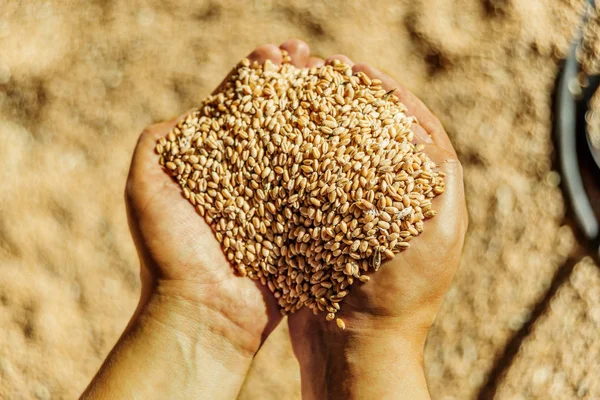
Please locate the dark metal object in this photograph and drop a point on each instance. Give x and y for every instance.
(570, 125)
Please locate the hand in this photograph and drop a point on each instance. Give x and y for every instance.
(179, 253)
(197, 325)
(387, 319)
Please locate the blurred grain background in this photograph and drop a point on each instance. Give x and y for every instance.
(79, 80)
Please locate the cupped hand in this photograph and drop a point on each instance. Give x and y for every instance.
(380, 352)
(403, 297)
(179, 254)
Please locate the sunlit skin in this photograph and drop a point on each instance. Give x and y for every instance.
(184, 273)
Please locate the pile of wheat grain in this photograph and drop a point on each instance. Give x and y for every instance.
(308, 177)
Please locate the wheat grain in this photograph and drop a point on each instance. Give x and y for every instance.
(308, 178)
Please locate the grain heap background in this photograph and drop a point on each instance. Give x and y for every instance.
(78, 82)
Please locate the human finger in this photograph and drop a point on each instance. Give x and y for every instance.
(315, 62)
(340, 57)
(414, 105)
(297, 50)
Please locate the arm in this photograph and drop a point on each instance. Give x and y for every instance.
(198, 325)
(358, 366)
(174, 348)
(380, 353)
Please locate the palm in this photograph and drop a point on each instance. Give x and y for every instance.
(409, 290)
(416, 280)
(178, 247)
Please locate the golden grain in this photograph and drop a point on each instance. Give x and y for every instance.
(308, 178)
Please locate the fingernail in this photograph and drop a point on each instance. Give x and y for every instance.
(421, 134)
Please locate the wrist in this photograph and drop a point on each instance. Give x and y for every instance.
(174, 348)
(188, 310)
(361, 363)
